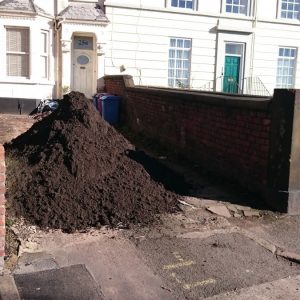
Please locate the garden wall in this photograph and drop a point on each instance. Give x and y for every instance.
(250, 140)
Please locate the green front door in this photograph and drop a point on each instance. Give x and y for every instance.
(231, 74)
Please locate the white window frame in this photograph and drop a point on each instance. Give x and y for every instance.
(284, 60)
(173, 79)
(279, 15)
(248, 12)
(23, 53)
(45, 53)
(194, 4)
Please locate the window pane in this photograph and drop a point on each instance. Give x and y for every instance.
(171, 53)
(187, 44)
(44, 67)
(228, 8)
(17, 39)
(180, 43)
(234, 49)
(179, 54)
(17, 65)
(186, 54)
(189, 4)
(178, 64)
(171, 63)
(44, 42)
(186, 64)
(281, 51)
(174, 3)
(183, 3)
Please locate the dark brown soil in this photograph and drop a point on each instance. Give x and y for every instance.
(72, 171)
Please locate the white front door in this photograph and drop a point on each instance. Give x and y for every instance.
(83, 66)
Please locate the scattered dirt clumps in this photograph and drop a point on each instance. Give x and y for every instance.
(71, 170)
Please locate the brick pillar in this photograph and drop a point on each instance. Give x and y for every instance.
(284, 163)
(117, 85)
(2, 206)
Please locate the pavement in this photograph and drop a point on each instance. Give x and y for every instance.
(13, 125)
(194, 254)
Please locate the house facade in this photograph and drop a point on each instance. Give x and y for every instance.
(237, 46)
(48, 48)
(234, 46)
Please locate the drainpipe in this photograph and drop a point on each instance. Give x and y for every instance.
(254, 24)
(58, 65)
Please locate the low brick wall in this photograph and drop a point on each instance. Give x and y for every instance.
(236, 136)
(2, 206)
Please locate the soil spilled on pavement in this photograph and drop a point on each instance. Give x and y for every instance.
(72, 171)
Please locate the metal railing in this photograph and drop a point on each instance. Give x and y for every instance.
(228, 84)
(254, 86)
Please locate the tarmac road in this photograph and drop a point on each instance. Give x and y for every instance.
(199, 268)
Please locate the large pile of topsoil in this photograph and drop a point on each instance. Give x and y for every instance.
(72, 171)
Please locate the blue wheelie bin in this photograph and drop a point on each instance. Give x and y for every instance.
(110, 108)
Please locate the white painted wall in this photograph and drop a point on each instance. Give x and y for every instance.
(46, 5)
(139, 40)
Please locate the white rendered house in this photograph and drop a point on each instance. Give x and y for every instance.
(238, 46)
(49, 47)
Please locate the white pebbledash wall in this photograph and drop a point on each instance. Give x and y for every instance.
(139, 33)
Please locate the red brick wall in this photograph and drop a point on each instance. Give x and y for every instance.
(227, 134)
(116, 86)
(235, 140)
(2, 206)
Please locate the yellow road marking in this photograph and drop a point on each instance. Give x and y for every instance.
(178, 256)
(179, 265)
(189, 286)
(175, 277)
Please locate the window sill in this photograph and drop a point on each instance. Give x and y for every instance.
(289, 21)
(24, 80)
(237, 16)
(180, 9)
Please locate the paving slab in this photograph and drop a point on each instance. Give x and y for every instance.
(251, 213)
(200, 202)
(35, 262)
(12, 126)
(287, 288)
(74, 282)
(220, 210)
(284, 233)
(8, 289)
(112, 261)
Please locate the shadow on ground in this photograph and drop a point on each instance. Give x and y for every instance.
(161, 173)
(181, 176)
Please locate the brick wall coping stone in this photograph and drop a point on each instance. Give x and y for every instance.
(193, 96)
